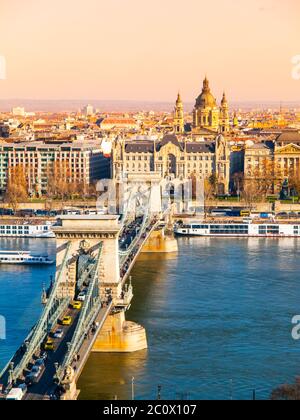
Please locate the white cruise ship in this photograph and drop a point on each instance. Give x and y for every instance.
(274, 230)
(24, 258)
(26, 230)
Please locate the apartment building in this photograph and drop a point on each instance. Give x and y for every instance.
(80, 163)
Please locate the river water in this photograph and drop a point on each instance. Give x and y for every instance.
(218, 320)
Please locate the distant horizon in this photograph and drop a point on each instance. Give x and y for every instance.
(130, 49)
(127, 105)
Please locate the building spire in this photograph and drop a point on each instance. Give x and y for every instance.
(179, 115)
(224, 99)
(206, 84)
(179, 98)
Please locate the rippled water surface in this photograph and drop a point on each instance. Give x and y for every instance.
(218, 319)
(20, 292)
(217, 315)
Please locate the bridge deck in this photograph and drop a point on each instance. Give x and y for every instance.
(88, 344)
(46, 386)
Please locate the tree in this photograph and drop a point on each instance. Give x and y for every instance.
(238, 183)
(250, 194)
(264, 177)
(287, 392)
(17, 188)
(210, 186)
(58, 178)
(294, 182)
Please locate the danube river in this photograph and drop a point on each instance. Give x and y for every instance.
(218, 319)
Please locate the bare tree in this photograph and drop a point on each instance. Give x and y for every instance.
(250, 194)
(210, 187)
(238, 182)
(17, 188)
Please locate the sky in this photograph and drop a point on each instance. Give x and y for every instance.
(149, 50)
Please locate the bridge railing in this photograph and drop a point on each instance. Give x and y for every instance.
(49, 317)
(146, 221)
(90, 309)
(125, 214)
(85, 272)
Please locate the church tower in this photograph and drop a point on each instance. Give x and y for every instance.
(224, 116)
(222, 156)
(178, 116)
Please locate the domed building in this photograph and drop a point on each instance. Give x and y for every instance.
(207, 114)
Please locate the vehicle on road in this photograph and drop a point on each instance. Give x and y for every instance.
(76, 305)
(39, 363)
(49, 345)
(67, 320)
(81, 297)
(58, 333)
(44, 356)
(33, 376)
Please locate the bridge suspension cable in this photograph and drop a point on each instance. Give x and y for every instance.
(49, 317)
(91, 307)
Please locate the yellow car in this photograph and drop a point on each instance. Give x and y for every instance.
(77, 305)
(49, 346)
(67, 320)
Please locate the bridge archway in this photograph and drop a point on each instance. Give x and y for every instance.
(85, 234)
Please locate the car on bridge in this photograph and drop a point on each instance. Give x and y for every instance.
(39, 363)
(67, 320)
(49, 345)
(58, 333)
(76, 305)
(34, 375)
(82, 296)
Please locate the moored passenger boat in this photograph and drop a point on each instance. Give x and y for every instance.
(238, 229)
(26, 229)
(23, 258)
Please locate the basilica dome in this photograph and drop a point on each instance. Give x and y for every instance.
(206, 98)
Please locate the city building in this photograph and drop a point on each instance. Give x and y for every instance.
(88, 110)
(77, 163)
(18, 112)
(279, 159)
(207, 114)
(174, 157)
(114, 123)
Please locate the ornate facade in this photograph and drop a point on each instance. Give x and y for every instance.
(279, 159)
(174, 158)
(207, 114)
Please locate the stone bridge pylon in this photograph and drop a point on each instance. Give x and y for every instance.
(81, 236)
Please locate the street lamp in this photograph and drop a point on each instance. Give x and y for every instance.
(132, 388)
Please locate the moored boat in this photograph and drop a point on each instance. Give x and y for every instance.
(26, 229)
(23, 258)
(243, 229)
